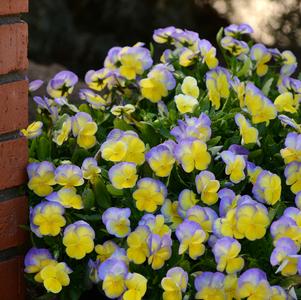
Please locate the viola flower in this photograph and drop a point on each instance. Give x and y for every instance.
(137, 245)
(226, 251)
(60, 136)
(95, 100)
(134, 61)
(252, 220)
(112, 150)
(156, 224)
(90, 169)
(170, 212)
(253, 172)
(190, 87)
(267, 188)
(208, 54)
(54, 277)
(187, 56)
(135, 148)
(234, 46)
(47, 104)
(210, 286)
(97, 80)
(174, 284)
(106, 250)
(285, 120)
(284, 255)
(207, 186)
(113, 273)
(112, 59)
(239, 88)
(204, 216)
(260, 54)
(253, 283)
(287, 102)
(157, 84)
(185, 103)
(136, 285)
(78, 239)
(62, 84)
(84, 129)
(159, 250)
(235, 30)
(289, 84)
(35, 85)
(258, 105)
(120, 110)
(67, 197)
(218, 84)
(33, 130)
(191, 237)
(248, 133)
(228, 200)
(292, 174)
(277, 292)
(123, 175)
(198, 128)
(235, 165)
(160, 160)
(41, 177)
(288, 62)
(117, 221)
(292, 150)
(123, 146)
(286, 227)
(149, 194)
(187, 199)
(69, 175)
(164, 35)
(36, 259)
(47, 218)
(192, 154)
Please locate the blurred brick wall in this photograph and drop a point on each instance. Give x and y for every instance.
(13, 148)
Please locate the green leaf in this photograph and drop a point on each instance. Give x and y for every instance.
(122, 125)
(148, 133)
(219, 36)
(89, 218)
(102, 196)
(43, 148)
(113, 191)
(267, 86)
(245, 68)
(214, 141)
(79, 155)
(85, 108)
(88, 198)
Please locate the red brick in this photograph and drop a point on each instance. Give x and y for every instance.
(13, 213)
(13, 47)
(12, 7)
(13, 106)
(13, 161)
(12, 279)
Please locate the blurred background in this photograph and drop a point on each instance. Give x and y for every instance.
(76, 34)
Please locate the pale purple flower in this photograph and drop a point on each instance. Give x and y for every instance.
(62, 84)
(34, 257)
(234, 29)
(35, 85)
(284, 247)
(117, 221)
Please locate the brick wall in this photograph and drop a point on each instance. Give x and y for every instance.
(13, 148)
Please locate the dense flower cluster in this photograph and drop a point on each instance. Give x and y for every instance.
(175, 180)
